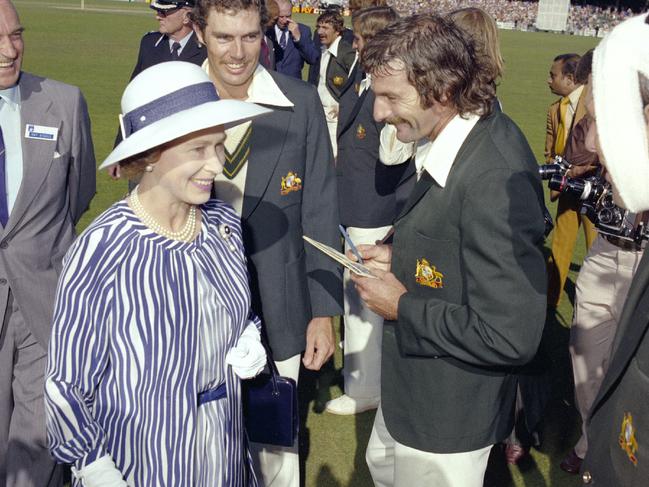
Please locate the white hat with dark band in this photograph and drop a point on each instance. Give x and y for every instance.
(168, 101)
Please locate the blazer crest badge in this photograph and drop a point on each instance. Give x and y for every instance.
(428, 275)
(627, 439)
(360, 132)
(338, 80)
(291, 182)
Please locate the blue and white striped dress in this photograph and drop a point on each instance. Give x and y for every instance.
(141, 327)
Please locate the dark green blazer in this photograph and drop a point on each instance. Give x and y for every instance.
(450, 361)
(338, 69)
(620, 413)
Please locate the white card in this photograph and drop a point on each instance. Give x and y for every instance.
(355, 267)
(41, 132)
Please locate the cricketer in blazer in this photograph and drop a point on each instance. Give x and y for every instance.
(366, 186)
(450, 361)
(58, 184)
(154, 49)
(618, 424)
(338, 69)
(292, 281)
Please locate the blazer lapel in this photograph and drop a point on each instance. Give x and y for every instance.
(354, 77)
(633, 324)
(38, 154)
(357, 108)
(421, 188)
(264, 156)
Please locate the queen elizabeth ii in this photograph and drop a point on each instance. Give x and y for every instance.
(152, 326)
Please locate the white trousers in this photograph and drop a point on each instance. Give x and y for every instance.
(279, 466)
(395, 465)
(601, 290)
(332, 128)
(363, 330)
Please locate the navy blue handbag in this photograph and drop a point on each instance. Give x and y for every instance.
(270, 406)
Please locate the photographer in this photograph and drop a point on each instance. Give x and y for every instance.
(618, 423)
(568, 75)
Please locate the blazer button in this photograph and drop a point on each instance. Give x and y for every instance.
(587, 478)
(3, 281)
(4, 244)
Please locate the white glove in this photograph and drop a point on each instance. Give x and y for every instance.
(100, 473)
(248, 358)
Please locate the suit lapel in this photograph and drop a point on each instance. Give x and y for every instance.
(264, 156)
(37, 154)
(633, 324)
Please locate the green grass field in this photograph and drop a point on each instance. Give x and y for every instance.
(96, 49)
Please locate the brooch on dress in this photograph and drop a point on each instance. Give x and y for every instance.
(226, 232)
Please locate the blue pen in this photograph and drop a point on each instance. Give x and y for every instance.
(351, 244)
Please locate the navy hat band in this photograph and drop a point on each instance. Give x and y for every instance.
(165, 106)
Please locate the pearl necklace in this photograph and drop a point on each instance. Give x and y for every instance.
(185, 234)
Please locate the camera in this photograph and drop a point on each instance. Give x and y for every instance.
(558, 166)
(596, 202)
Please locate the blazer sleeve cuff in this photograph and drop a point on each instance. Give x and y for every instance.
(411, 311)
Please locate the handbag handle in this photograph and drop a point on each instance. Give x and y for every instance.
(274, 373)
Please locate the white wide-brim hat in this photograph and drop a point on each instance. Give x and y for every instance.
(621, 124)
(168, 101)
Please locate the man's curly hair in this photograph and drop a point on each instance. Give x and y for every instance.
(440, 61)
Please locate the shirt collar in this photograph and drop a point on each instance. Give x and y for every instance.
(333, 48)
(365, 84)
(11, 96)
(278, 32)
(437, 156)
(263, 88)
(575, 95)
(182, 42)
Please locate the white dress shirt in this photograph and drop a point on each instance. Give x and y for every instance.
(11, 134)
(183, 42)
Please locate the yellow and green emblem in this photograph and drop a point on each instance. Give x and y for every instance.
(428, 275)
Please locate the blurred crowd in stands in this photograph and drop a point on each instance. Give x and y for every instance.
(586, 20)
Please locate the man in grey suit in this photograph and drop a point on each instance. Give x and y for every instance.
(279, 176)
(462, 288)
(47, 180)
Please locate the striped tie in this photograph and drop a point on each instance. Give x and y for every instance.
(4, 207)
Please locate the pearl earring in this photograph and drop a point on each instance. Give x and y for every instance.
(149, 168)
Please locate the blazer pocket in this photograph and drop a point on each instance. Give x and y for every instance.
(432, 267)
(298, 304)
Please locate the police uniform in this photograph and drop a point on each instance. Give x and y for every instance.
(155, 48)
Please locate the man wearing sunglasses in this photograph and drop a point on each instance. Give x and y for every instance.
(175, 39)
